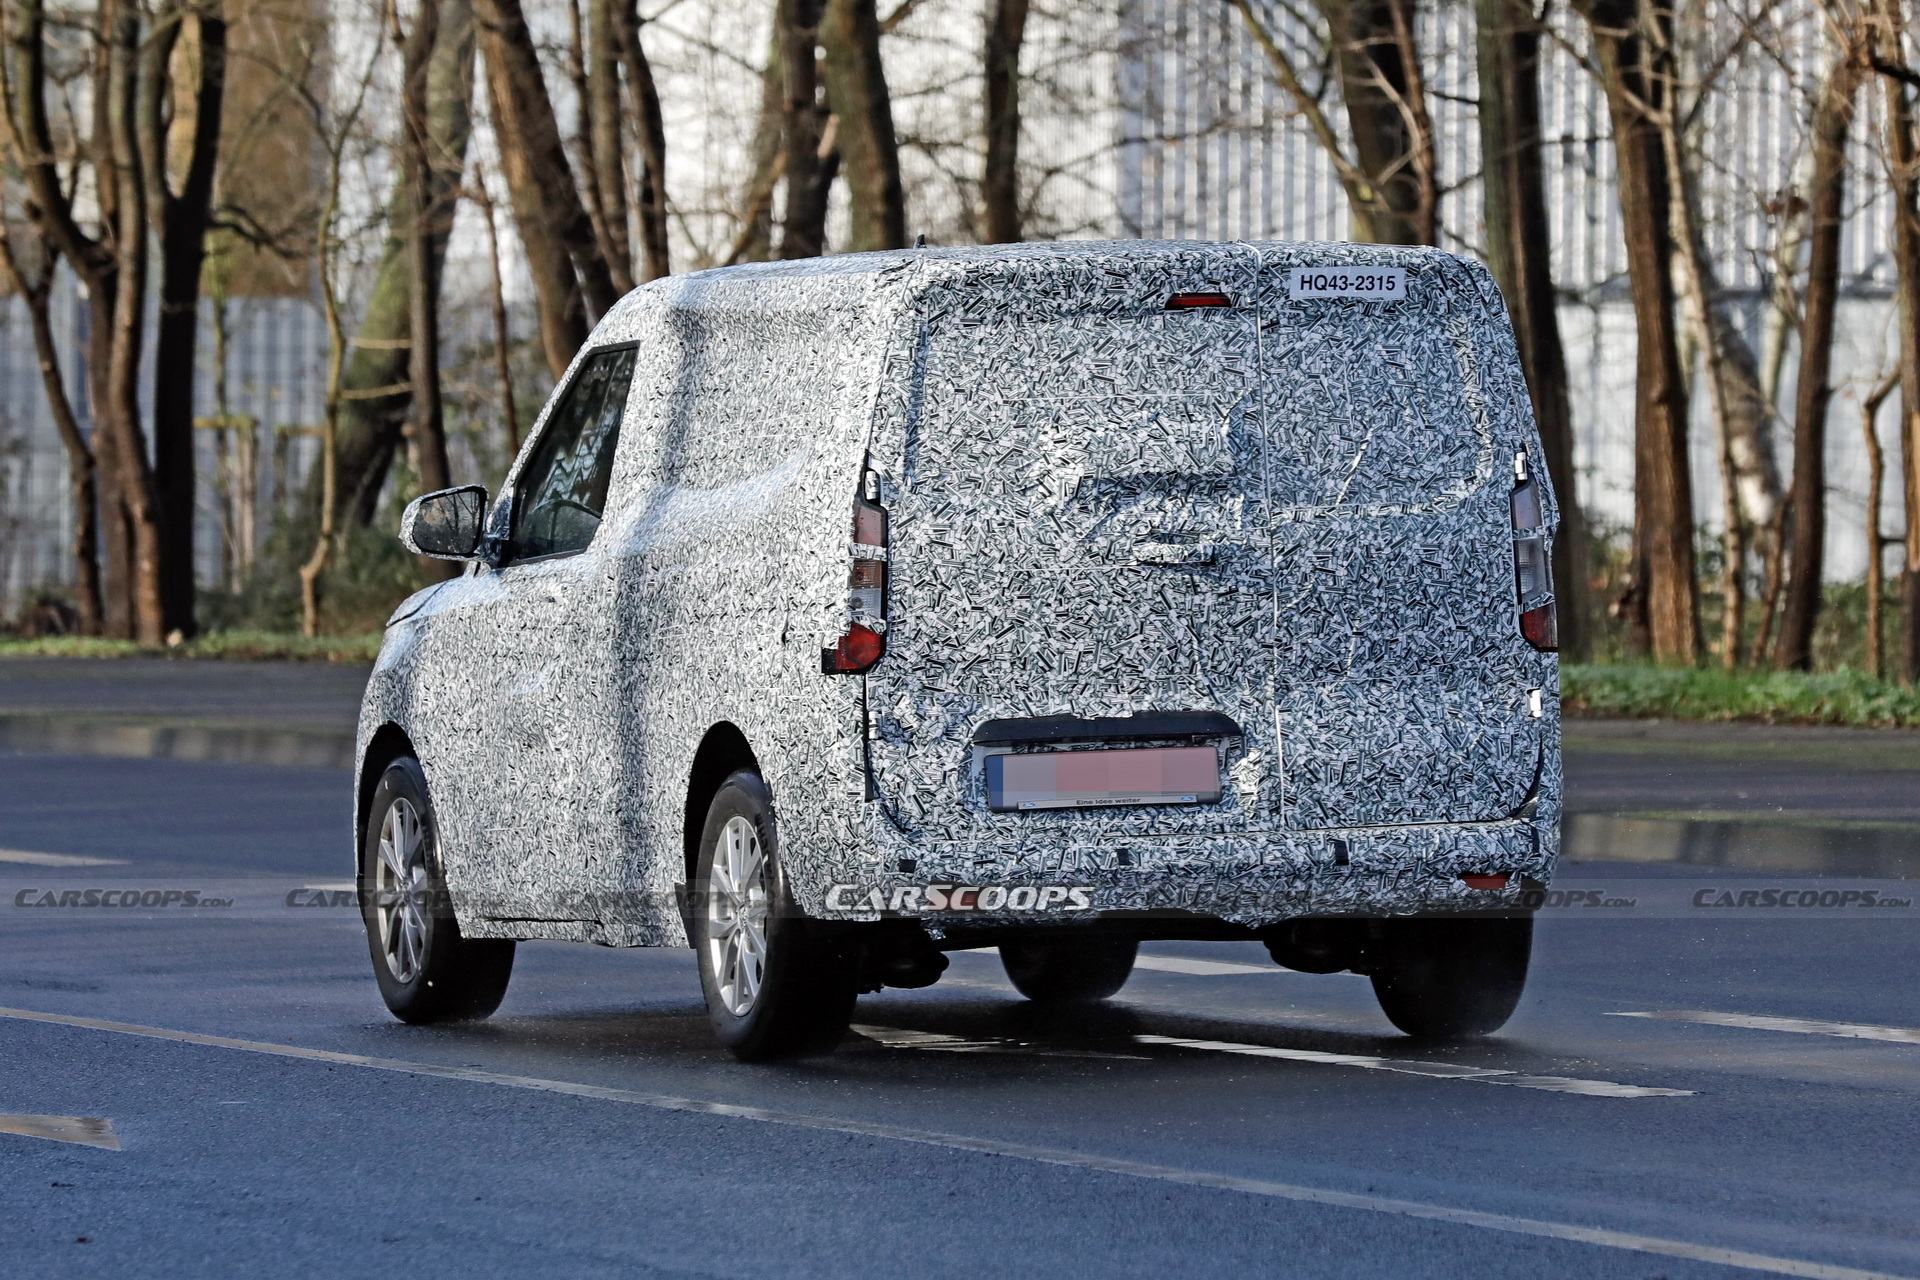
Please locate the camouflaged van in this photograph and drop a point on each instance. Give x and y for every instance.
(841, 613)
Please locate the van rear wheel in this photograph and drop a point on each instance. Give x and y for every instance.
(1446, 979)
(772, 990)
(1069, 972)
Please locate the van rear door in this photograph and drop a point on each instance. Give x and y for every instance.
(1401, 691)
(1080, 529)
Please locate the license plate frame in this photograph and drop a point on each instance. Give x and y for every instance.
(1102, 777)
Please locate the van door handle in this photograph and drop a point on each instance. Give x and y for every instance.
(1174, 554)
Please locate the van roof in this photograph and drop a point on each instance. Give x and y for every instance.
(723, 286)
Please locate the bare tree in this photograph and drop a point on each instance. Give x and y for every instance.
(1632, 44)
(1389, 175)
(811, 157)
(497, 298)
(429, 209)
(335, 132)
(857, 90)
(1832, 121)
(36, 291)
(180, 221)
(651, 127)
(113, 267)
(1898, 83)
(1877, 542)
(755, 241)
(1000, 181)
(1743, 413)
(1518, 252)
(237, 459)
(601, 149)
(570, 275)
(376, 388)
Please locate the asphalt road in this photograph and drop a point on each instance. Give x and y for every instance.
(1221, 1116)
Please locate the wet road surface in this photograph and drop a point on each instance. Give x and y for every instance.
(1221, 1116)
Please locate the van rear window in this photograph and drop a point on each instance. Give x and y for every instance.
(1371, 415)
(1317, 411)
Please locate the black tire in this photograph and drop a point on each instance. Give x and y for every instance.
(434, 975)
(1071, 972)
(802, 997)
(1452, 979)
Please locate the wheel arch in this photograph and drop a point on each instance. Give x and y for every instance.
(723, 751)
(389, 743)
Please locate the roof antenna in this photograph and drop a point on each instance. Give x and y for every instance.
(920, 241)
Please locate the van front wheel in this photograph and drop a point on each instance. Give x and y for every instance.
(772, 990)
(1069, 972)
(427, 972)
(1452, 979)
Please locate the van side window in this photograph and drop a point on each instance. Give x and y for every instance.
(563, 490)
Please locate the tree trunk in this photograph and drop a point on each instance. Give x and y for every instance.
(569, 275)
(803, 229)
(1518, 251)
(755, 241)
(375, 388)
(1832, 119)
(857, 91)
(37, 293)
(1741, 417)
(652, 195)
(1750, 471)
(1637, 74)
(138, 500)
(606, 140)
(497, 297)
(1876, 543)
(180, 224)
(93, 259)
(1000, 181)
(429, 219)
(1903, 166)
(1380, 82)
(243, 474)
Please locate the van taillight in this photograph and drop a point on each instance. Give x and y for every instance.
(865, 640)
(1532, 565)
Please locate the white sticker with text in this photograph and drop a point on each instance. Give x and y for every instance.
(1381, 284)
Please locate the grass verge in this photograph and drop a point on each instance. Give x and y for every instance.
(1635, 692)
(1611, 691)
(241, 646)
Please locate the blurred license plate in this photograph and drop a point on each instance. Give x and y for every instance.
(1079, 779)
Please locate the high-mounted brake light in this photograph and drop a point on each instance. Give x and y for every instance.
(1532, 565)
(865, 640)
(1188, 301)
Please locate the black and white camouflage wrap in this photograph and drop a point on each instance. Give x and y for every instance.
(1290, 510)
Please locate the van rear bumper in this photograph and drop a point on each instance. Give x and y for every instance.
(1243, 879)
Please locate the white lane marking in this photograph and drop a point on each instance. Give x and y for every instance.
(84, 1131)
(897, 1038)
(1439, 1070)
(1804, 1026)
(1201, 968)
(59, 859)
(1041, 1155)
(1182, 964)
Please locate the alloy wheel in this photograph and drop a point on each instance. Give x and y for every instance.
(738, 901)
(400, 890)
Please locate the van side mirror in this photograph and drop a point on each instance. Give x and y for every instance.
(447, 524)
